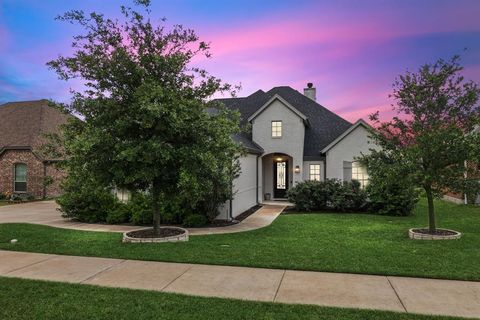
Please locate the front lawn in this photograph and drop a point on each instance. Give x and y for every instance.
(29, 299)
(354, 243)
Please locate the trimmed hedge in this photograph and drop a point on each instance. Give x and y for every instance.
(194, 220)
(381, 196)
(332, 195)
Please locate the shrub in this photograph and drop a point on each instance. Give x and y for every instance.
(347, 197)
(331, 194)
(391, 197)
(302, 195)
(2, 196)
(390, 190)
(194, 220)
(141, 209)
(120, 213)
(85, 200)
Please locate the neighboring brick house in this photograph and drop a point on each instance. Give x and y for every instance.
(23, 170)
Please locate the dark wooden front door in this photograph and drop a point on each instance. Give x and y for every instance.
(280, 179)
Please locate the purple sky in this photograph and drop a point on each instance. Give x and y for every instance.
(351, 50)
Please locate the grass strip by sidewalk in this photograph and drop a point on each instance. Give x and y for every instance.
(32, 299)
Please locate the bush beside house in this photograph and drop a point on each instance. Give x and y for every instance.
(88, 201)
(384, 197)
(332, 195)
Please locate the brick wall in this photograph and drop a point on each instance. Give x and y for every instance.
(36, 170)
(54, 189)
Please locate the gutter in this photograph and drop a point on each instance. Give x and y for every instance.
(325, 168)
(258, 157)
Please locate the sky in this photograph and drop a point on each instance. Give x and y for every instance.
(351, 51)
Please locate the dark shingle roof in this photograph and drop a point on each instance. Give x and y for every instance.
(23, 124)
(325, 126)
(245, 140)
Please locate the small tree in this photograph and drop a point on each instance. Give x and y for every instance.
(145, 121)
(430, 140)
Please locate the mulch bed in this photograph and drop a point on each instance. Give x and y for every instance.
(438, 232)
(148, 233)
(225, 223)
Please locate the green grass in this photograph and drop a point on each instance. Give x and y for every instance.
(353, 243)
(3, 203)
(29, 299)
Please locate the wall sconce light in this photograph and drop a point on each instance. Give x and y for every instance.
(297, 169)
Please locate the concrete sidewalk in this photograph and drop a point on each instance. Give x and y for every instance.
(46, 213)
(415, 295)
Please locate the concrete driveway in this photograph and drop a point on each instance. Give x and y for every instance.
(47, 213)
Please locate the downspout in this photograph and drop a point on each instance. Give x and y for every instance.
(258, 157)
(325, 168)
(230, 210)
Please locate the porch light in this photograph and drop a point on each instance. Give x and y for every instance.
(297, 169)
(279, 159)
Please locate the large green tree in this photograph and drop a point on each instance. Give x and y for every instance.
(430, 139)
(146, 114)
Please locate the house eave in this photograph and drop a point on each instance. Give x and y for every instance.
(27, 148)
(288, 105)
(359, 122)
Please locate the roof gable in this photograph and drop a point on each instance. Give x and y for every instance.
(324, 125)
(23, 124)
(360, 122)
(284, 102)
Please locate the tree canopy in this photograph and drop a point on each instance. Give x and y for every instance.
(146, 121)
(431, 139)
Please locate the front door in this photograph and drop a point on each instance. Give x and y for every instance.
(280, 179)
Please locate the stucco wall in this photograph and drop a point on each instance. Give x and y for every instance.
(293, 133)
(306, 169)
(347, 149)
(244, 188)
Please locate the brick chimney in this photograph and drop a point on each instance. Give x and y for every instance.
(310, 91)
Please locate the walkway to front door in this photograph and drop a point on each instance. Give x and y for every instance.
(46, 213)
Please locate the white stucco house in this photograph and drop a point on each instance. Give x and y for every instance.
(293, 138)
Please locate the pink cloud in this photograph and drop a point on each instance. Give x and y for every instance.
(347, 31)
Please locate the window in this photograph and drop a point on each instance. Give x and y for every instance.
(20, 183)
(315, 172)
(276, 129)
(360, 174)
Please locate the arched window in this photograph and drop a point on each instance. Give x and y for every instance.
(20, 183)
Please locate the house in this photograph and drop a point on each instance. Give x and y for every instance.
(293, 138)
(462, 198)
(23, 169)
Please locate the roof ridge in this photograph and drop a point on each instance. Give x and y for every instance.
(23, 101)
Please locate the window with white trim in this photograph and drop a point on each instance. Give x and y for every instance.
(359, 173)
(314, 172)
(276, 129)
(20, 183)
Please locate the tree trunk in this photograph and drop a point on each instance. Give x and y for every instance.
(431, 212)
(156, 209)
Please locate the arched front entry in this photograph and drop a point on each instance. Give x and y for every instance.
(277, 171)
